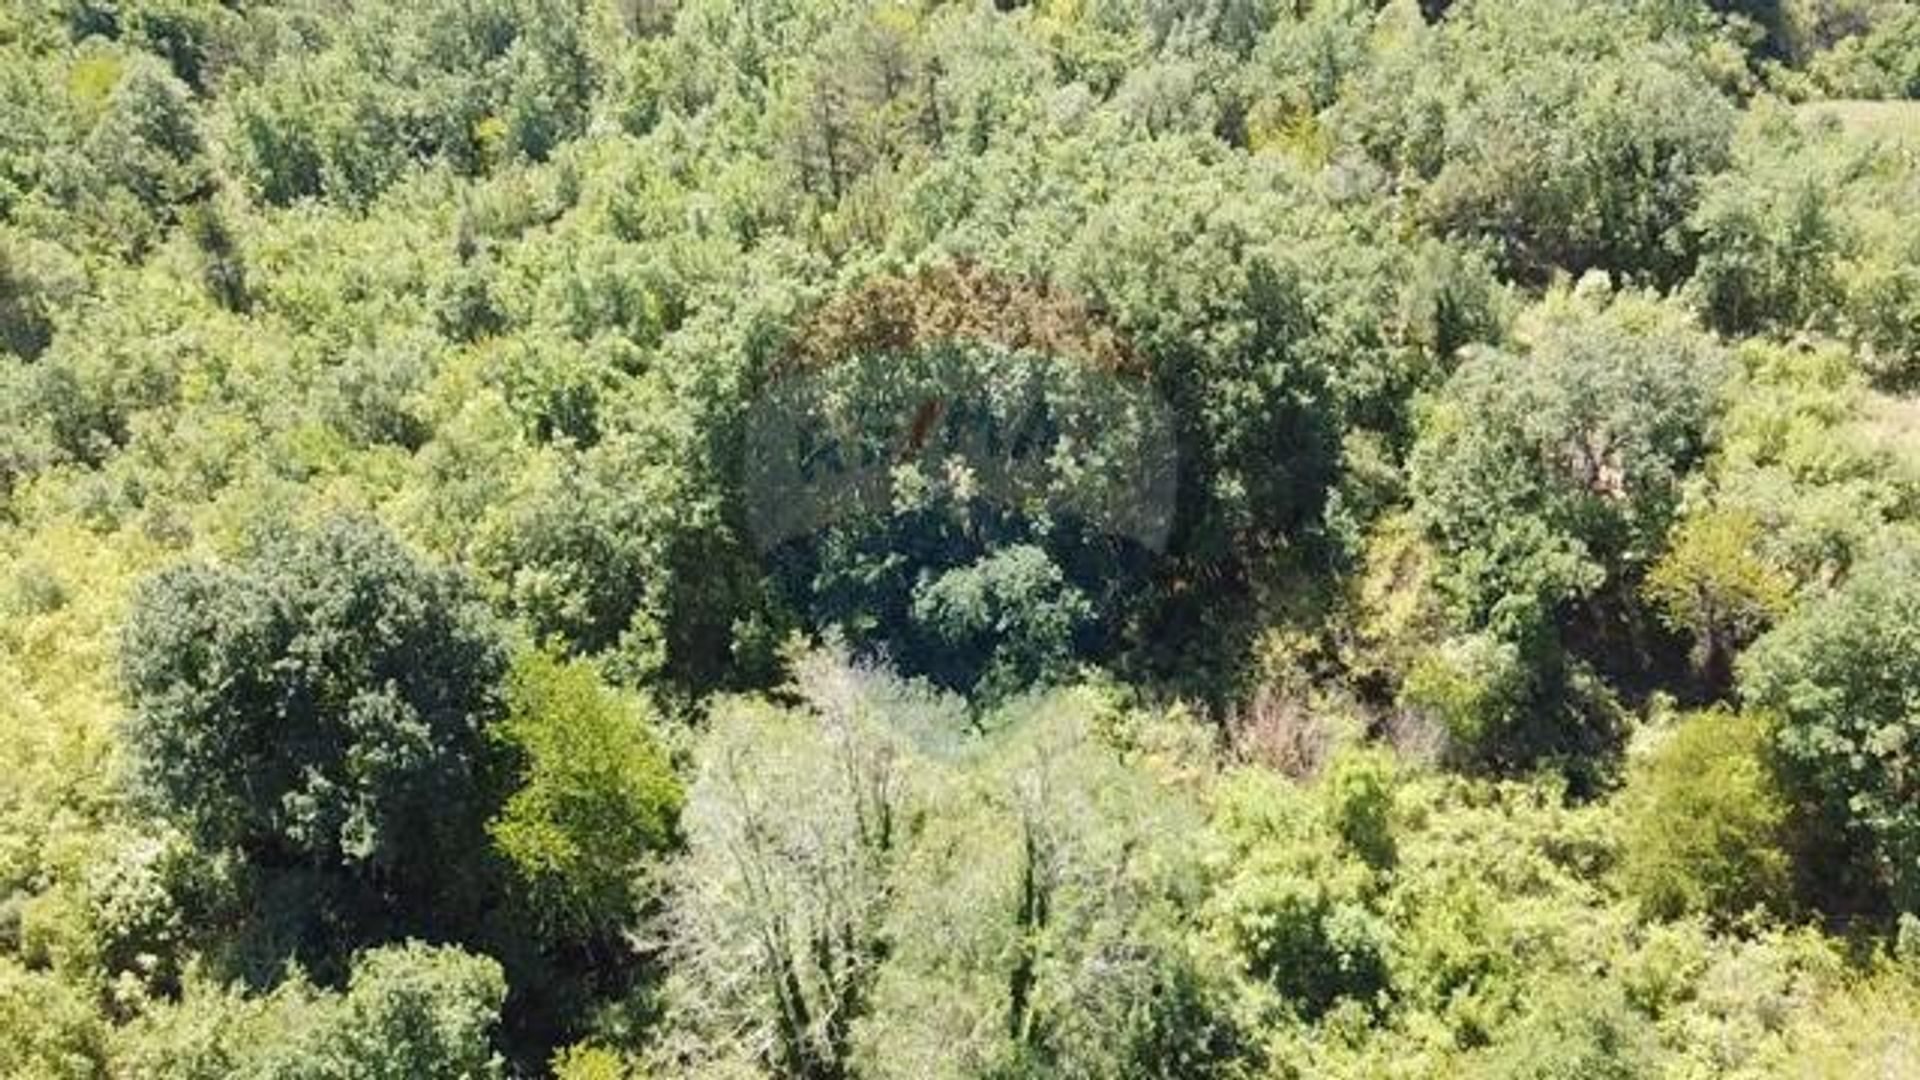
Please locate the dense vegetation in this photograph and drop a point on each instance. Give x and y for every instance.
(839, 539)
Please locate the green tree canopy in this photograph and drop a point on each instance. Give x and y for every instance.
(1704, 827)
(594, 796)
(1842, 674)
(319, 704)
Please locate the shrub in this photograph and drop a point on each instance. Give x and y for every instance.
(408, 1012)
(47, 1027)
(1703, 822)
(1714, 584)
(1574, 1031)
(1292, 903)
(1360, 800)
(1475, 688)
(595, 796)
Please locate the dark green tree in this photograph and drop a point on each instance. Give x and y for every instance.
(319, 707)
(1842, 676)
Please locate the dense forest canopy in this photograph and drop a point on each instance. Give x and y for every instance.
(850, 539)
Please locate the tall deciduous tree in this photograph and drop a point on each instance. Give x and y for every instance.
(1544, 474)
(795, 822)
(1546, 477)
